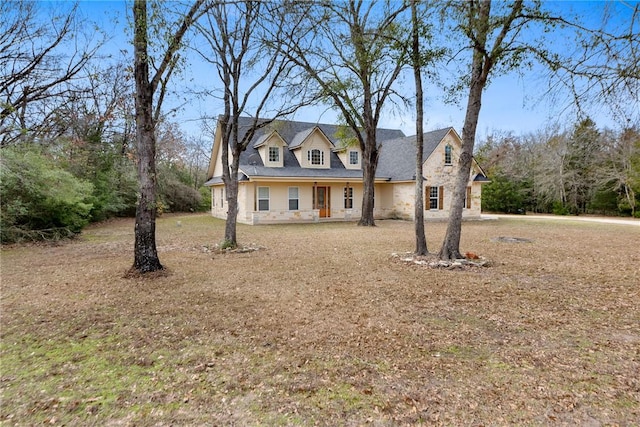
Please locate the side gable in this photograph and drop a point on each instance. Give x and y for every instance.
(443, 158)
(397, 156)
(215, 161)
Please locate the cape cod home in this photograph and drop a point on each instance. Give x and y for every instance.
(307, 172)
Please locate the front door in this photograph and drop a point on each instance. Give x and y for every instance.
(322, 196)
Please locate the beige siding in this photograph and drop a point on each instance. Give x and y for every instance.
(315, 141)
(383, 203)
(344, 156)
(273, 141)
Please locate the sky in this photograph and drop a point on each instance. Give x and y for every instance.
(510, 103)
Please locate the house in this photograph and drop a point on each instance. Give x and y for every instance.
(308, 172)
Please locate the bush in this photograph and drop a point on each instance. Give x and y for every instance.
(504, 195)
(39, 200)
(115, 191)
(559, 208)
(205, 199)
(176, 192)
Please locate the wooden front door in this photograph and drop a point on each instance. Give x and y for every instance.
(321, 201)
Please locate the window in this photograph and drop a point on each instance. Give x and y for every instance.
(348, 197)
(447, 155)
(263, 198)
(354, 158)
(436, 197)
(293, 198)
(213, 197)
(467, 199)
(315, 157)
(433, 197)
(222, 197)
(274, 154)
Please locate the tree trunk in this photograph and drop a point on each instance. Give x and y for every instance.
(479, 72)
(370, 163)
(231, 187)
(145, 252)
(451, 245)
(421, 240)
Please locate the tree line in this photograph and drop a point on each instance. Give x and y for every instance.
(580, 170)
(67, 131)
(108, 129)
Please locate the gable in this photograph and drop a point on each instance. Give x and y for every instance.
(443, 159)
(350, 156)
(397, 156)
(271, 148)
(215, 161)
(312, 148)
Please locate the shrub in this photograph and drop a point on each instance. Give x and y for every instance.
(205, 199)
(39, 200)
(559, 208)
(504, 195)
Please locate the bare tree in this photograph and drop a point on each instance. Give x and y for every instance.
(353, 54)
(40, 64)
(601, 71)
(150, 93)
(252, 68)
(620, 168)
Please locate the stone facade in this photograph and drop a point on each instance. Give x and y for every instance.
(309, 178)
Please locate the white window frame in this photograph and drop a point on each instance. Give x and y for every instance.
(261, 197)
(274, 154)
(296, 198)
(222, 197)
(320, 158)
(434, 197)
(354, 158)
(448, 155)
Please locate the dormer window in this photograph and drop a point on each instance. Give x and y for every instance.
(447, 155)
(354, 158)
(315, 157)
(274, 154)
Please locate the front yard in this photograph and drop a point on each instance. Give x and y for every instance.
(322, 326)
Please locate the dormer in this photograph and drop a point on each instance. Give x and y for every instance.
(312, 148)
(350, 156)
(270, 146)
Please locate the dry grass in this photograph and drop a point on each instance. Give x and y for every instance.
(324, 327)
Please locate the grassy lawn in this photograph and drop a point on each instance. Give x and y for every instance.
(324, 327)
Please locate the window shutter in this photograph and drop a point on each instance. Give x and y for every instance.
(468, 198)
(441, 197)
(427, 202)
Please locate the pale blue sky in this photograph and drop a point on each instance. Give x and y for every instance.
(510, 103)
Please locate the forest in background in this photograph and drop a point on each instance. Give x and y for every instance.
(67, 130)
(68, 156)
(579, 170)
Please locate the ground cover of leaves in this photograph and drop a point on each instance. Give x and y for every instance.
(322, 326)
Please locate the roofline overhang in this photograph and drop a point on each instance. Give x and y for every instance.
(312, 179)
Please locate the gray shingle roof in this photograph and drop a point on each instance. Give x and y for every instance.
(288, 130)
(398, 156)
(396, 162)
(299, 138)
